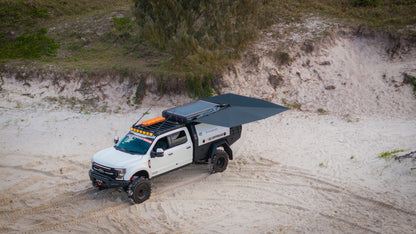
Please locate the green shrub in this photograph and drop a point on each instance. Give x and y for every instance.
(123, 33)
(29, 46)
(200, 87)
(122, 23)
(409, 79)
(140, 92)
(389, 154)
(366, 3)
(283, 58)
(295, 105)
(185, 27)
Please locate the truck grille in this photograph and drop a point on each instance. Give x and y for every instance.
(104, 170)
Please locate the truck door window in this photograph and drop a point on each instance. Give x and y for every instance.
(177, 138)
(162, 143)
(170, 141)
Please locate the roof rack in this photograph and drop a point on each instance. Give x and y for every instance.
(176, 117)
(158, 128)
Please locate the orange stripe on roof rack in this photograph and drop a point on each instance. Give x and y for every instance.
(152, 121)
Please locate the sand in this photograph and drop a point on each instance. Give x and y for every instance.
(272, 185)
(300, 171)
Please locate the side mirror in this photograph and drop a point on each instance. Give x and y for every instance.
(159, 153)
(116, 139)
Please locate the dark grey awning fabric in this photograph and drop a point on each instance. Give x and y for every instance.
(239, 110)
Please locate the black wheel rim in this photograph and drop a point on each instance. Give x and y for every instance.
(141, 192)
(220, 162)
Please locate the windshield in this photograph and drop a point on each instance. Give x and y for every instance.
(135, 144)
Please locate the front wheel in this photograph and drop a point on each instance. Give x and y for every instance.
(139, 190)
(219, 162)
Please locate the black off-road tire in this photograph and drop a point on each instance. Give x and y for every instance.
(219, 162)
(139, 190)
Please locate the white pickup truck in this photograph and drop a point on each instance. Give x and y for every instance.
(163, 144)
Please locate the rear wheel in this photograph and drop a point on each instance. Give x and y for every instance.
(219, 162)
(139, 190)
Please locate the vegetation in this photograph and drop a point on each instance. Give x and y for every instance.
(194, 40)
(27, 13)
(200, 87)
(295, 105)
(389, 154)
(29, 46)
(409, 79)
(200, 32)
(366, 3)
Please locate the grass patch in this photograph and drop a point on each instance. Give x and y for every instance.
(140, 92)
(409, 79)
(366, 3)
(389, 154)
(29, 12)
(387, 14)
(200, 87)
(282, 57)
(295, 105)
(31, 46)
(122, 23)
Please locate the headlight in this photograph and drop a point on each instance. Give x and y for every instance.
(120, 173)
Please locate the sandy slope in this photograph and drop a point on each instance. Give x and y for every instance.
(348, 73)
(294, 172)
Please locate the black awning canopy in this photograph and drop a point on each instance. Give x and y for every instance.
(237, 110)
(226, 110)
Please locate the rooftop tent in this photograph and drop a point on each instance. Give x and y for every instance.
(189, 112)
(237, 110)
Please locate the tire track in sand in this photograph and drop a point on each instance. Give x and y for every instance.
(253, 176)
(273, 170)
(260, 177)
(83, 218)
(75, 202)
(25, 195)
(92, 195)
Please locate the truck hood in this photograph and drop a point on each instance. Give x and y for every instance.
(113, 158)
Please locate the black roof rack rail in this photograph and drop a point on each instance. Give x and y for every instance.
(159, 128)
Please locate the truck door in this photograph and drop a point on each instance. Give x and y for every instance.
(177, 152)
(180, 148)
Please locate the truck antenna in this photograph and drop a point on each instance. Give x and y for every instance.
(168, 117)
(145, 113)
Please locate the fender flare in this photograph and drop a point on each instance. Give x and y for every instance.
(222, 143)
(141, 172)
